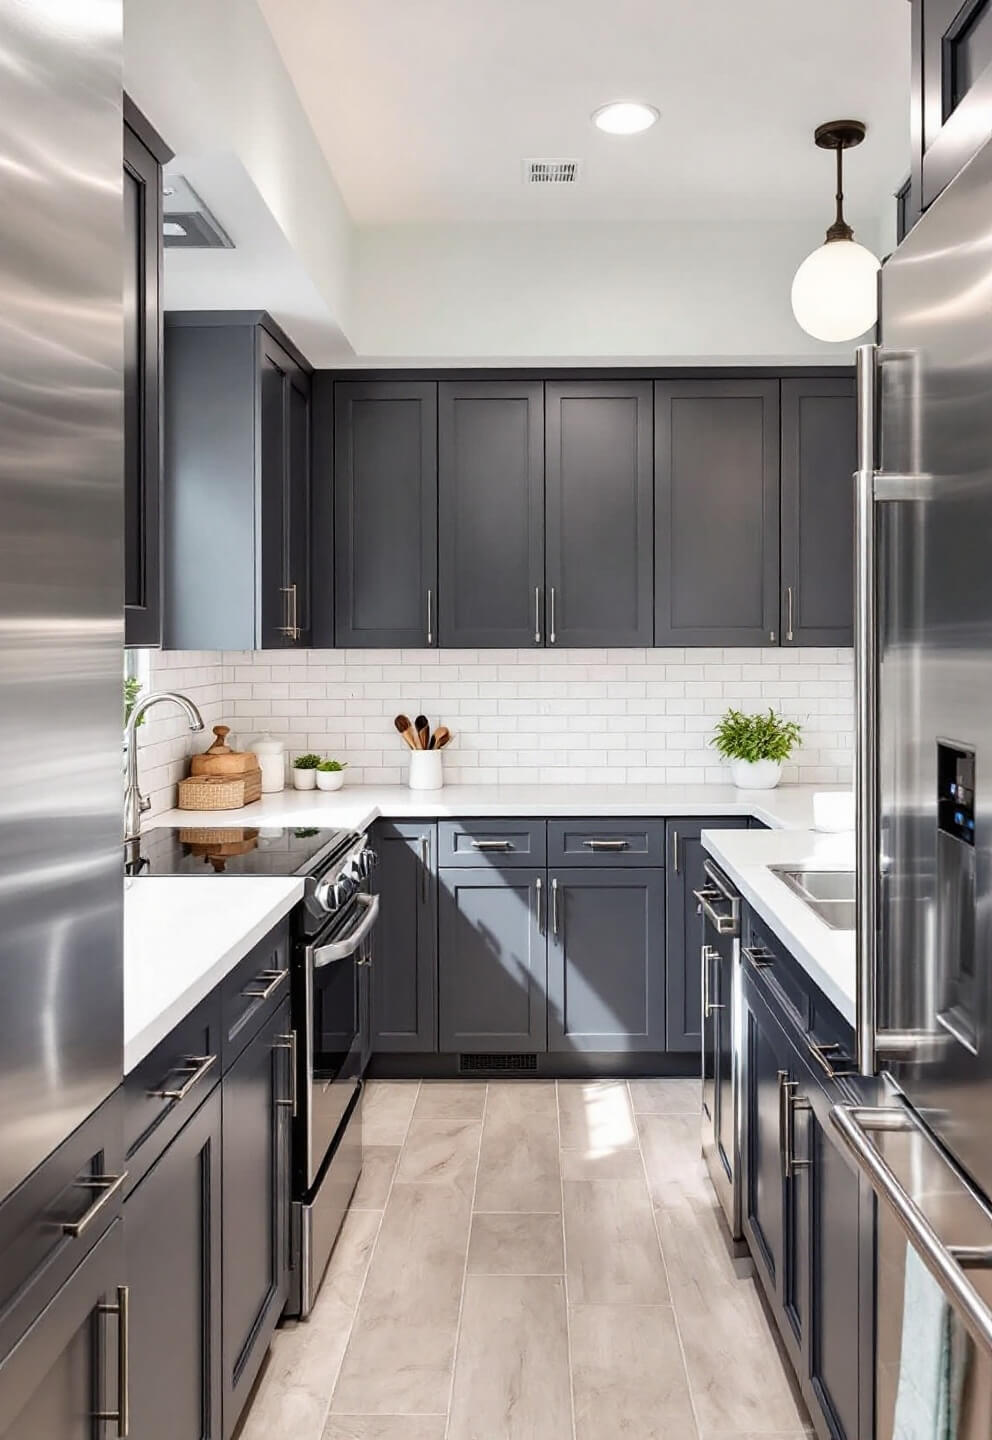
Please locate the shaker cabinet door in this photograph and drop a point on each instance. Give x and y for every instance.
(385, 518)
(404, 968)
(284, 425)
(173, 1236)
(684, 929)
(819, 456)
(598, 506)
(767, 1059)
(491, 513)
(716, 512)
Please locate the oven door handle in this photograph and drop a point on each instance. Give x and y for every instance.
(344, 949)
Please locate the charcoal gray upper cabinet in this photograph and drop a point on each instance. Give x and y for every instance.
(491, 513)
(404, 969)
(237, 504)
(952, 89)
(606, 959)
(716, 512)
(819, 456)
(145, 152)
(385, 514)
(598, 513)
(173, 1238)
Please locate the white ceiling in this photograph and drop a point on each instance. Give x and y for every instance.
(426, 108)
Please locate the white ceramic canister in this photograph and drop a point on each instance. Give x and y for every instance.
(272, 759)
(426, 772)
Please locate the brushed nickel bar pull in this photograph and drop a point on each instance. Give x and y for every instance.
(783, 1123)
(788, 612)
(108, 1186)
(554, 907)
(792, 1103)
(539, 886)
(288, 1042)
(759, 957)
(537, 614)
(675, 851)
(605, 844)
(425, 865)
(121, 1417)
(723, 924)
(291, 628)
(200, 1065)
(502, 845)
(709, 954)
(824, 1056)
(552, 636)
(430, 616)
(270, 981)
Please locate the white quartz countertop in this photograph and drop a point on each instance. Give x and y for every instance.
(182, 935)
(356, 806)
(827, 956)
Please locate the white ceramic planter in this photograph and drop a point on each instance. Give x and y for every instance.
(304, 779)
(426, 772)
(755, 774)
(329, 779)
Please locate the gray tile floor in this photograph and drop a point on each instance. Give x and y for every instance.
(530, 1261)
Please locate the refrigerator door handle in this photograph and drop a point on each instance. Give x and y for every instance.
(866, 709)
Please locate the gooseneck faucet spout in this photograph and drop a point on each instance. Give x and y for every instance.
(135, 804)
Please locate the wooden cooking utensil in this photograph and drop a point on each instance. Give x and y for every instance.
(423, 728)
(440, 737)
(406, 730)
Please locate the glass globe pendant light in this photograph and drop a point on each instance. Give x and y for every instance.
(835, 290)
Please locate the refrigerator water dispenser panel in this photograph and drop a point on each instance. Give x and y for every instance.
(956, 903)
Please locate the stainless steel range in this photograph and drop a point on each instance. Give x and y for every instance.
(333, 927)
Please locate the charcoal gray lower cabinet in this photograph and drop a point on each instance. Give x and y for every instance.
(598, 507)
(767, 1058)
(385, 513)
(492, 960)
(716, 512)
(67, 1367)
(256, 1132)
(172, 1227)
(606, 959)
(819, 456)
(683, 929)
(404, 969)
(491, 513)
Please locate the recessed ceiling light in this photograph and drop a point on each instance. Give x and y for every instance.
(625, 117)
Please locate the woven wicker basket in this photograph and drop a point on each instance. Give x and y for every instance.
(215, 792)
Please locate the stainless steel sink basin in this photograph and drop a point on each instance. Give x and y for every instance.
(830, 894)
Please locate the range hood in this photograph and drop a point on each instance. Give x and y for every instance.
(186, 222)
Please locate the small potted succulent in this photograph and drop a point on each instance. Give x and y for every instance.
(305, 772)
(756, 746)
(330, 774)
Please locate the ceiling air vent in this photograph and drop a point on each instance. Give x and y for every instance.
(552, 172)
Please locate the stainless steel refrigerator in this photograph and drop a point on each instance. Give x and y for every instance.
(61, 549)
(924, 694)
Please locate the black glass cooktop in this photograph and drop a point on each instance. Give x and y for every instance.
(230, 850)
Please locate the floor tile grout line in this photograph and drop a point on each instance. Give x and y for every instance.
(564, 1261)
(468, 1246)
(368, 1268)
(668, 1278)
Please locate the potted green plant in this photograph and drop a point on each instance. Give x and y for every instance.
(330, 774)
(305, 772)
(755, 746)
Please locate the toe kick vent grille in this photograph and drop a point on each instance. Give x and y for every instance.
(475, 1064)
(551, 172)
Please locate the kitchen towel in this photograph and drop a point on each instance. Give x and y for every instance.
(932, 1361)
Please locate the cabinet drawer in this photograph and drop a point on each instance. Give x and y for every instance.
(171, 1083)
(776, 973)
(606, 842)
(254, 989)
(492, 842)
(39, 1255)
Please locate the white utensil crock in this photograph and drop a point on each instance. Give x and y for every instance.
(425, 770)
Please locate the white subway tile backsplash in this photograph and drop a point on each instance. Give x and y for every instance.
(555, 716)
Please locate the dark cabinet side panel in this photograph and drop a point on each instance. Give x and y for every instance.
(404, 969)
(491, 513)
(716, 512)
(173, 1236)
(284, 425)
(385, 469)
(599, 508)
(819, 456)
(606, 960)
(766, 1054)
(256, 1123)
(492, 961)
(684, 929)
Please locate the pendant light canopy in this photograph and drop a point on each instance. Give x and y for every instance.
(835, 290)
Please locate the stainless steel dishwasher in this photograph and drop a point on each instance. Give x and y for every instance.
(720, 964)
